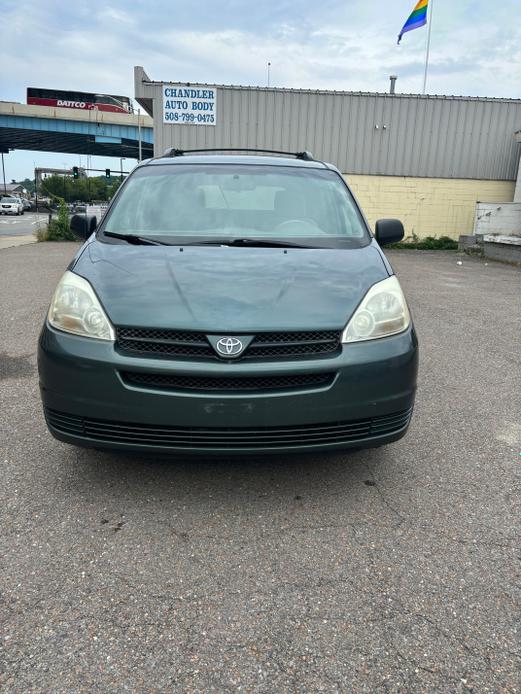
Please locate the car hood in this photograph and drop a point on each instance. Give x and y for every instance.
(229, 289)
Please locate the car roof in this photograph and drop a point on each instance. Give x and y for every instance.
(242, 159)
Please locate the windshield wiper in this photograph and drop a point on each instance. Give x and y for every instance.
(264, 243)
(136, 240)
(273, 243)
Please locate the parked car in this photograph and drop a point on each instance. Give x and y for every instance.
(230, 304)
(42, 202)
(10, 205)
(26, 204)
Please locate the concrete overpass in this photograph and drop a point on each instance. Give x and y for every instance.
(51, 129)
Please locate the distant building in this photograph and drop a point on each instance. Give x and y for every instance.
(14, 189)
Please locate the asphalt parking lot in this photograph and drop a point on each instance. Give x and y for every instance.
(393, 570)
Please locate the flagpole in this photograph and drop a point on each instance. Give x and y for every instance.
(428, 46)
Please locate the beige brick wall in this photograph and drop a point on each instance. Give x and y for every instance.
(427, 206)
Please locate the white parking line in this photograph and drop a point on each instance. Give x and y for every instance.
(38, 220)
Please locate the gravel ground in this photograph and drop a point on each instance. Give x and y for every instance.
(394, 570)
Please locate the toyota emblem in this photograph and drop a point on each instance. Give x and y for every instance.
(229, 346)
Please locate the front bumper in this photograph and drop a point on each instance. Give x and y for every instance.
(87, 403)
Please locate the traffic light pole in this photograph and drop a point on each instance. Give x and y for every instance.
(3, 171)
(38, 171)
(139, 134)
(104, 170)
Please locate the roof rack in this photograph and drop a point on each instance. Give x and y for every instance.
(174, 152)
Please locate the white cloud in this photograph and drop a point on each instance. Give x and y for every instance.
(111, 14)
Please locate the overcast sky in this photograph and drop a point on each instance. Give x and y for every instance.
(331, 44)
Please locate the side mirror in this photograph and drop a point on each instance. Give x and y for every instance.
(83, 225)
(388, 231)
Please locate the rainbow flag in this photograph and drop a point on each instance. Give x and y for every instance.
(417, 18)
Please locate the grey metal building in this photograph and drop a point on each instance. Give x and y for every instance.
(362, 133)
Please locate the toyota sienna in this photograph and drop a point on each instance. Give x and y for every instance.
(229, 303)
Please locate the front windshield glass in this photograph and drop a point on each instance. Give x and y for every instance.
(189, 203)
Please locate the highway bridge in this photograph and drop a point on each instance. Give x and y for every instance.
(52, 129)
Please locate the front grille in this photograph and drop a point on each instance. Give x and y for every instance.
(195, 345)
(302, 344)
(227, 438)
(227, 383)
(173, 343)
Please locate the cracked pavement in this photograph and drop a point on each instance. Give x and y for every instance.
(393, 570)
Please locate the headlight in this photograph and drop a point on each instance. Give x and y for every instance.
(75, 308)
(382, 312)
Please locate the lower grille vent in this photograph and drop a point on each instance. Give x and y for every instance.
(227, 383)
(227, 438)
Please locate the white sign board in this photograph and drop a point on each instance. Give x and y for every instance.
(97, 210)
(189, 104)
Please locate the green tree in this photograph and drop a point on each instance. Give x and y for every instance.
(59, 227)
(113, 188)
(84, 189)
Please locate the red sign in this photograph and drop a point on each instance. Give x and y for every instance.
(81, 105)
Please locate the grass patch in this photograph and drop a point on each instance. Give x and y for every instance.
(429, 243)
(41, 233)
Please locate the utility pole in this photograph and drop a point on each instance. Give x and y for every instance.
(3, 171)
(269, 71)
(139, 133)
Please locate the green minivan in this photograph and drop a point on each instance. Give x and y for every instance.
(229, 303)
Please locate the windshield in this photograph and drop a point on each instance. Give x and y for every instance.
(185, 203)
